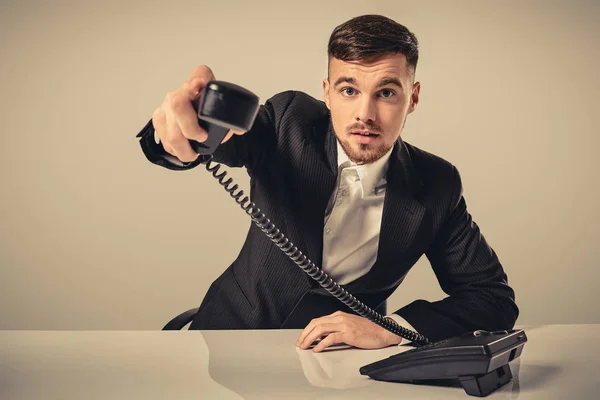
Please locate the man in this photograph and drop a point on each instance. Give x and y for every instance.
(338, 180)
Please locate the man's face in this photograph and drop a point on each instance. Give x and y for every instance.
(369, 101)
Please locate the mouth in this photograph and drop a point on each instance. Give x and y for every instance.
(364, 137)
(365, 133)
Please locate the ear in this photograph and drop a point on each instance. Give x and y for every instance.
(326, 92)
(414, 97)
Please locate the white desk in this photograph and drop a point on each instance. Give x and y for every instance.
(556, 364)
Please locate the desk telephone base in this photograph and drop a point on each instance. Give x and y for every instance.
(478, 360)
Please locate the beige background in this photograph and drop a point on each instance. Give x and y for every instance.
(92, 236)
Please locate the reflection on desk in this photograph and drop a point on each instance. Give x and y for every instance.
(261, 365)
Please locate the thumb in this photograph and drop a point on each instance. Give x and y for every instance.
(196, 85)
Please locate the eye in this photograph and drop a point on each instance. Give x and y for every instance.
(348, 91)
(387, 93)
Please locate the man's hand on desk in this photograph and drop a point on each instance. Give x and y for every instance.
(341, 327)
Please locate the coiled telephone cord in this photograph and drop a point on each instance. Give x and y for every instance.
(304, 262)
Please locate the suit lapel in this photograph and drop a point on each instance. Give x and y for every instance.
(402, 213)
(330, 147)
(401, 219)
(319, 165)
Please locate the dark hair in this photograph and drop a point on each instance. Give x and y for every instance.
(370, 36)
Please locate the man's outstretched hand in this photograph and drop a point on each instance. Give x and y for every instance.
(341, 327)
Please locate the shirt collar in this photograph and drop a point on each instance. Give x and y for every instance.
(370, 174)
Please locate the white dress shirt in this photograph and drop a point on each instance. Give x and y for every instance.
(353, 220)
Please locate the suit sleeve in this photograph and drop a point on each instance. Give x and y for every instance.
(248, 150)
(468, 270)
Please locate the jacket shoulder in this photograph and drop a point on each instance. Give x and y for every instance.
(427, 163)
(297, 105)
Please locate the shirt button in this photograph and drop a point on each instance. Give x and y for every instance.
(328, 230)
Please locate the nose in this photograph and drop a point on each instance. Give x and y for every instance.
(366, 110)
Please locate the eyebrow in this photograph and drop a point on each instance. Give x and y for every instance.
(388, 80)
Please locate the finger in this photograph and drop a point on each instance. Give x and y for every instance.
(328, 319)
(330, 340)
(160, 128)
(335, 317)
(180, 145)
(192, 87)
(319, 331)
(187, 120)
(182, 148)
(227, 137)
(169, 149)
(203, 72)
(303, 335)
(159, 122)
(180, 109)
(231, 133)
(306, 331)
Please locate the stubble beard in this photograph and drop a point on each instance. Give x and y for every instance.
(366, 154)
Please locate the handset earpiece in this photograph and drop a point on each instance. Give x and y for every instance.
(222, 106)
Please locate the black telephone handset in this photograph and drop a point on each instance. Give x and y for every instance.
(222, 106)
(479, 359)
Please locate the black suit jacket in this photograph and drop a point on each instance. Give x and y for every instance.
(291, 156)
